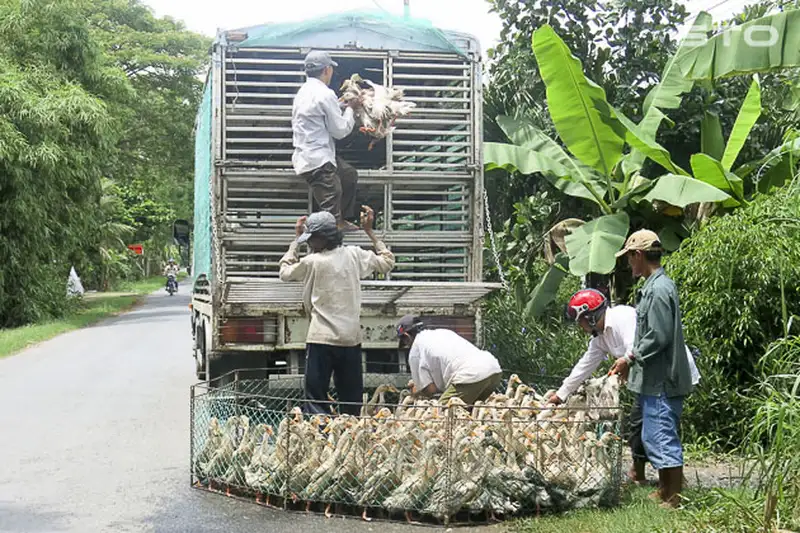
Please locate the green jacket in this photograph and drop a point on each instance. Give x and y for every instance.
(660, 363)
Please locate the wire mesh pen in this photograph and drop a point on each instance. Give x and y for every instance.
(418, 461)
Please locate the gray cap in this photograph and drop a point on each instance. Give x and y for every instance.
(318, 60)
(320, 222)
(409, 324)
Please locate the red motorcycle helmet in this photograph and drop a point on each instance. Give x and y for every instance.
(589, 303)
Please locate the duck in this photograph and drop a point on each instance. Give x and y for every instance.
(223, 455)
(378, 399)
(452, 492)
(513, 382)
(213, 441)
(379, 106)
(256, 473)
(410, 494)
(243, 455)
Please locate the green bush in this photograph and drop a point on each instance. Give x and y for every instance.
(546, 346)
(739, 281)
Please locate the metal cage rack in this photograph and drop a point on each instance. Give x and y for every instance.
(424, 180)
(254, 438)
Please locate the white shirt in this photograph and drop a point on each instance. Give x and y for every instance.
(444, 358)
(332, 288)
(615, 341)
(317, 120)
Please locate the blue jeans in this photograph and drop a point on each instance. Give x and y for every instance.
(661, 422)
(344, 362)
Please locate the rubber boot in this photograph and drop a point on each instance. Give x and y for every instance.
(637, 472)
(657, 495)
(673, 483)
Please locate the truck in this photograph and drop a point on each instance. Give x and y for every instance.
(424, 181)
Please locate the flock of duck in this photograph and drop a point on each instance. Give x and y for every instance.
(509, 454)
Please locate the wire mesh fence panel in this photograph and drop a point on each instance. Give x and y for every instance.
(410, 459)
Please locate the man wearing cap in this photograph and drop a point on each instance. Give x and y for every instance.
(657, 369)
(442, 361)
(317, 122)
(613, 330)
(331, 276)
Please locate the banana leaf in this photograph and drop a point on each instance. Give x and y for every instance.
(579, 109)
(512, 157)
(711, 140)
(637, 187)
(775, 177)
(667, 94)
(670, 237)
(592, 247)
(521, 131)
(547, 288)
(681, 191)
(748, 115)
(647, 146)
(574, 179)
(709, 170)
(527, 161)
(767, 44)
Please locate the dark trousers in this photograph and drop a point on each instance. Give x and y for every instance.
(635, 424)
(334, 188)
(344, 362)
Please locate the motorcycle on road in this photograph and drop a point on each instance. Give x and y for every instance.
(172, 284)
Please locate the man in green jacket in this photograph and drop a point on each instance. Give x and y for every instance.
(657, 368)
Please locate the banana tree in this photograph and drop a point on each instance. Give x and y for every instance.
(594, 165)
(767, 44)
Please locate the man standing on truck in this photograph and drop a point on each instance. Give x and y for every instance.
(317, 122)
(442, 361)
(331, 276)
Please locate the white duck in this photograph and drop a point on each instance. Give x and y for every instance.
(379, 105)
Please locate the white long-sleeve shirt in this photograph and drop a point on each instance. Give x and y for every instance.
(615, 341)
(443, 357)
(317, 120)
(332, 288)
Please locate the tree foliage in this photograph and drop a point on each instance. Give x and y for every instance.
(624, 48)
(739, 282)
(96, 107)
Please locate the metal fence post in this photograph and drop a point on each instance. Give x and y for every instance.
(191, 435)
(284, 494)
(617, 470)
(449, 464)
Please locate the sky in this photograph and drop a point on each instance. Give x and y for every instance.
(206, 16)
(470, 16)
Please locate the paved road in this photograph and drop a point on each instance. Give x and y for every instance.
(94, 437)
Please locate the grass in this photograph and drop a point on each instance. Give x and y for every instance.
(92, 308)
(637, 514)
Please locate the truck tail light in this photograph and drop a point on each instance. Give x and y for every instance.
(463, 325)
(242, 331)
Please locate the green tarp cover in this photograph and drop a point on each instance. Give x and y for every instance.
(367, 29)
(201, 257)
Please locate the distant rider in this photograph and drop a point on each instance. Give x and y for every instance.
(171, 268)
